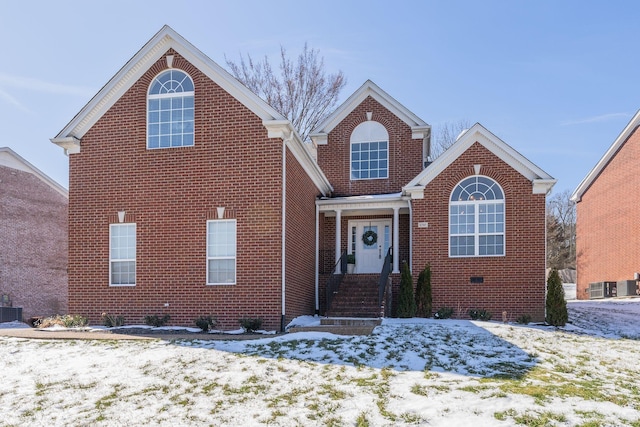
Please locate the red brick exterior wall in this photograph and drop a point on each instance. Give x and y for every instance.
(300, 241)
(608, 221)
(170, 194)
(405, 154)
(33, 244)
(514, 283)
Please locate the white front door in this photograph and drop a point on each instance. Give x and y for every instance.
(369, 241)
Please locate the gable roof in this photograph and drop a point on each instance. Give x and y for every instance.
(604, 161)
(13, 160)
(277, 125)
(420, 129)
(541, 181)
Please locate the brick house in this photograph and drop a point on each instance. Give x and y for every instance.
(191, 196)
(33, 239)
(608, 221)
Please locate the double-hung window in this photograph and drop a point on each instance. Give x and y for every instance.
(476, 218)
(122, 254)
(369, 151)
(221, 252)
(170, 110)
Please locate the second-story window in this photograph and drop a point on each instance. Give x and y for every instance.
(369, 151)
(170, 110)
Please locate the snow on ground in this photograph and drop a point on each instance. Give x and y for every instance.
(408, 372)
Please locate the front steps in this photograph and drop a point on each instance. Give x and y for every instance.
(357, 297)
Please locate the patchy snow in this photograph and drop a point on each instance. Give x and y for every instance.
(408, 372)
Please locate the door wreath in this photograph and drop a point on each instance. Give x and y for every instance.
(369, 237)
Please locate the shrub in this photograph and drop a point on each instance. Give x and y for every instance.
(206, 322)
(406, 301)
(423, 293)
(250, 324)
(156, 321)
(67, 321)
(556, 306)
(476, 314)
(110, 320)
(523, 319)
(444, 313)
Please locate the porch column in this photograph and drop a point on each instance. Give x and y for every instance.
(396, 240)
(338, 238)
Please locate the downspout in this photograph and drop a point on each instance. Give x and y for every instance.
(284, 225)
(317, 268)
(410, 234)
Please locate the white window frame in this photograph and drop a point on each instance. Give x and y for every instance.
(230, 256)
(487, 198)
(367, 133)
(112, 249)
(170, 94)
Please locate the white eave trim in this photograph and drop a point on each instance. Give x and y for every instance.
(283, 129)
(164, 40)
(368, 89)
(11, 159)
(478, 133)
(71, 144)
(364, 202)
(604, 161)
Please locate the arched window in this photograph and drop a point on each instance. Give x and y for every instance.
(369, 151)
(170, 110)
(476, 218)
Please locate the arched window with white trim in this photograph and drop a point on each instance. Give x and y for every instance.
(476, 218)
(369, 151)
(170, 110)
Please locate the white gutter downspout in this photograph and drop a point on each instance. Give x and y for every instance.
(317, 268)
(284, 225)
(410, 235)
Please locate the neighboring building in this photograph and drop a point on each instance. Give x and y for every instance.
(190, 196)
(33, 239)
(608, 219)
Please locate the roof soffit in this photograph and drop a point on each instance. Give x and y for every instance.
(495, 145)
(419, 127)
(164, 40)
(606, 158)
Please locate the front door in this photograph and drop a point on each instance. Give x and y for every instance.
(369, 241)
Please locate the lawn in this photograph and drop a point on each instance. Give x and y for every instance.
(408, 372)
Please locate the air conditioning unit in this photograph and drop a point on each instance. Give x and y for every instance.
(596, 290)
(627, 288)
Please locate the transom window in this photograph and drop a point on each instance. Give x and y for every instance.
(476, 218)
(221, 252)
(122, 254)
(369, 151)
(170, 110)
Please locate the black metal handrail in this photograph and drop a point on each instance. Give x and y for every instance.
(384, 275)
(333, 284)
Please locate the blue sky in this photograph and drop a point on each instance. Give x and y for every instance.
(557, 80)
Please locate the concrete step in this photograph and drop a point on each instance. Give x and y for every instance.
(350, 321)
(334, 329)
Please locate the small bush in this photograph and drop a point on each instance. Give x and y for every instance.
(111, 321)
(524, 319)
(556, 305)
(156, 321)
(443, 313)
(206, 322)
(406, 300)
(476, 314)
(67, 321)
(250, 324)
(424, 298)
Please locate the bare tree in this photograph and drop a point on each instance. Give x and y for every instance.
(446, 135)
(561, 231)
(301, 91)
